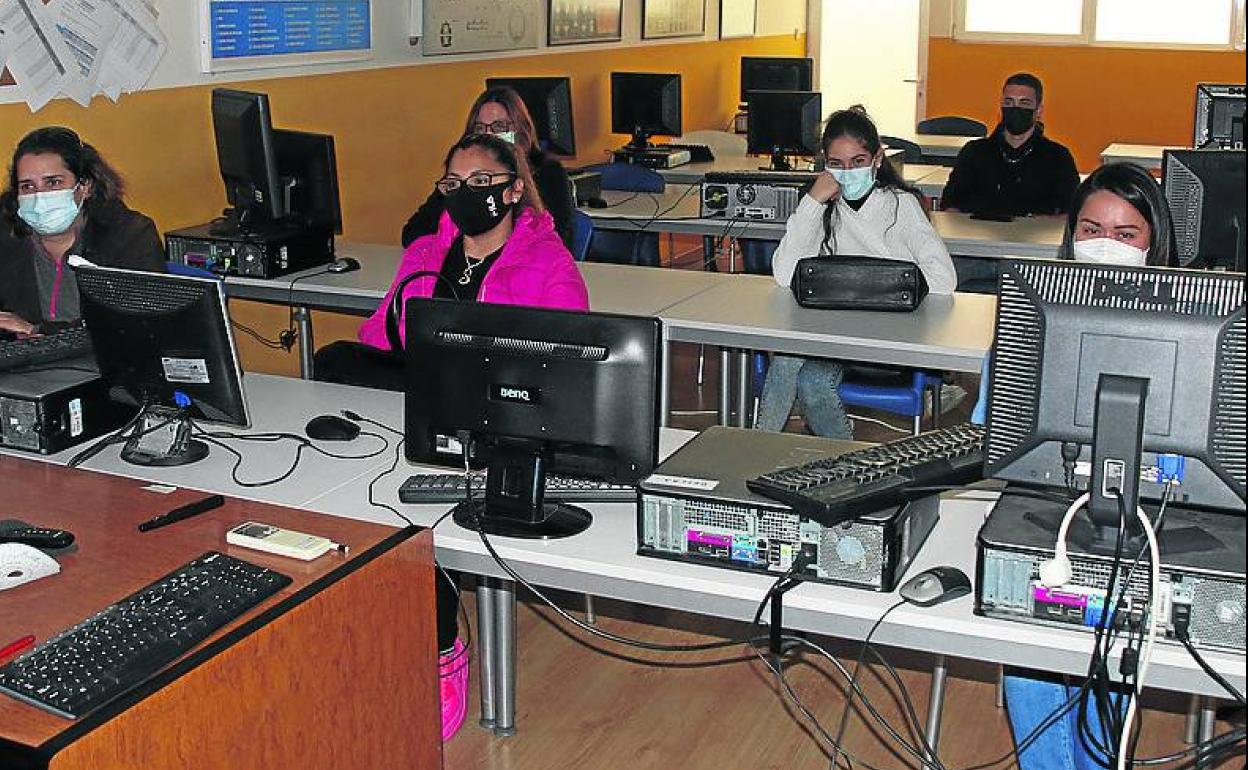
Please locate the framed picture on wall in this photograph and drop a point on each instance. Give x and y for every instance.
(584, 21)
(736, 18)
(672, 18)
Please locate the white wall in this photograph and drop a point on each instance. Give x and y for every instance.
(391, 48)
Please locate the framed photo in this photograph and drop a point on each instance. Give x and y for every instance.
(672, 18)
(584, 21)
(736, 18)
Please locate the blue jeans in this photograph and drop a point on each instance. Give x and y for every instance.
(1029, 700)
(814, 383)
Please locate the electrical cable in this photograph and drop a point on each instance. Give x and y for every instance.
(840, 730)
(1208, 669)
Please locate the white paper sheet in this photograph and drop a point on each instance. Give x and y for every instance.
(136, 48)
(38, 58)
(87, 27)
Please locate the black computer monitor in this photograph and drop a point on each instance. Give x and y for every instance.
(776, 73)
(308, 165)
(1205, 190)
(243, 128)
(1219, 120)
(1111, 377)
(645, 104)
(537, 391)
(163, 343)
(549, 102)
(784, 123)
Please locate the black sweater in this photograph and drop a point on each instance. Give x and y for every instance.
(112, 236)
(990, 176)
(552, 185)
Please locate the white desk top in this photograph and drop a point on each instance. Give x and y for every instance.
(1146, 155)
(935, 145)
(603, 561)
(1034, 237)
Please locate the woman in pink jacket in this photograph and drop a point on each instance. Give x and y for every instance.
(494, 243)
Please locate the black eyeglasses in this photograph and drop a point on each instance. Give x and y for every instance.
(496, 127)
(477, 180)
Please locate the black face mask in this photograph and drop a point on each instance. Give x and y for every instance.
(478, 210)
(1018, 120)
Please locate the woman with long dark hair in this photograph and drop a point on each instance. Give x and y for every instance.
(859, 206)
(63, 200)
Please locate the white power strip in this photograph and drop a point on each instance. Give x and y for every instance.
(283, 542)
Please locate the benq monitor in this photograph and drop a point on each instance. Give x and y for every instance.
(549, 102)
(1087, 354)
(1205, 191)
(531, 391)
(645, 104)
(776, 73)
(308, 166)
(163, 343)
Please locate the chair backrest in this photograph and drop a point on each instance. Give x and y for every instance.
(913, 152)
(582, 234)
(628, 177)
(952, 125)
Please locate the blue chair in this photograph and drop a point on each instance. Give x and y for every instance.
(177, 268)
(621, 246)
(902, 399)
(582, 234)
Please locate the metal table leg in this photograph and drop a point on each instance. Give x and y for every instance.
(505, 658)
(1191, 725)
(743, 388)
(725, 386)
(486, 600)
(936, 703)
(303, 323)
(1208, 723)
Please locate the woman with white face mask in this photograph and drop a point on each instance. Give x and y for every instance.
(500, 112)
(63, 200)
(860, 206)
(1118, 216)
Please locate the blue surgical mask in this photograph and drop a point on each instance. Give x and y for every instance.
(855, 183)
(49, 213)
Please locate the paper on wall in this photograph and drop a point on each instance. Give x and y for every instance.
(38, 59)
(87, 27)
(136, 48)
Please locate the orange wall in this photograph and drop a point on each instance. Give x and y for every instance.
(391, 129)
(1093, 96)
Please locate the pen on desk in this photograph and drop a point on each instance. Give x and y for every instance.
(13, 648)
(183, 512)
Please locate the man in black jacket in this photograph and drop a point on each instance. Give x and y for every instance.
(1016, 170)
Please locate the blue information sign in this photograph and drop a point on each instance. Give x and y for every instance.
(278, 27)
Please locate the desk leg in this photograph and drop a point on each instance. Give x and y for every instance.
(486, 600)
(936, 703)
(743, 388)
(1208, 723)
(708, 254)
(303, 322)
(665, 383)
(725, 386)
(505, 658)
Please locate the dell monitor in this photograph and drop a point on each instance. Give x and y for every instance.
(243, 129)
(643, 105)
(784, 123)
(1205, 190)
(1219, 120)
(163, 344)
(529, 391)
(775, 73)
(549, 102)
(1113, 380)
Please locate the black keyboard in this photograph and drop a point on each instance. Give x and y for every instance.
(69, 343)
(838, 489)
(698, 153)
(121, 646)
(449, 488)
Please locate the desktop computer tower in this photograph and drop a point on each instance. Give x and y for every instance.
(55, 406)
(269, 252)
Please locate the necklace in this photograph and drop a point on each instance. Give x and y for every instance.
(469, 266)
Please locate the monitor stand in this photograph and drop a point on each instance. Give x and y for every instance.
(779, 162)
(161, 437)
(514, 504)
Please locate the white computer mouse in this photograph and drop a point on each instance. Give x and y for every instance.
(23, 563)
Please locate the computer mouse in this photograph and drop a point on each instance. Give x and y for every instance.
(934, 586)
(331, 427)
(344, 265)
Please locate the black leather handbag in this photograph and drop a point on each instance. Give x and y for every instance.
(858, 283)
